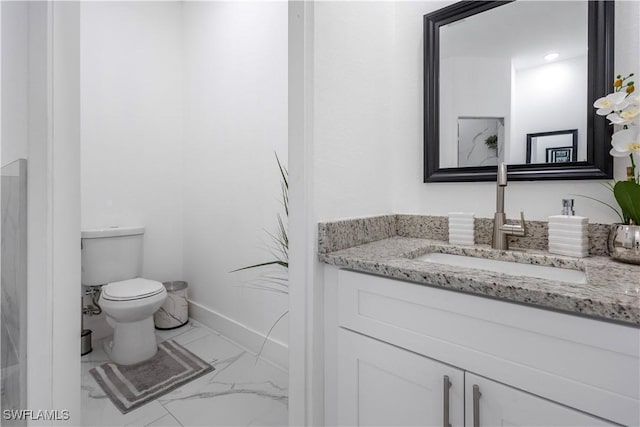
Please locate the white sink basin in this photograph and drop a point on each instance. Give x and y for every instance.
(507, 267)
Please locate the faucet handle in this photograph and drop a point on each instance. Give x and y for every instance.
(521, 229)
(515, 230)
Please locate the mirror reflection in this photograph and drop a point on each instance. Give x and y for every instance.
(480, 141)
(552, 147)
(510, 78)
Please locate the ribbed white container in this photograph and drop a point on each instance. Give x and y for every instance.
(461, 228)
(569, 235)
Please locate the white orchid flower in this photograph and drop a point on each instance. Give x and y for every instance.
(633, 99)
(610, 103)
(631, 112)
(625, 142)
(626, 116)
(615, 119)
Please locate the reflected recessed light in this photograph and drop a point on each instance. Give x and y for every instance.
(551, 56)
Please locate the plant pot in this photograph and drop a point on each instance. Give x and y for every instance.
(624, 243)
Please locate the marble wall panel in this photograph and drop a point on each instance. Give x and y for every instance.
(13, 287)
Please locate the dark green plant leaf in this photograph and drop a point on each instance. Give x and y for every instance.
(266, 338)
(283, 173)
(627, 195)
(280, 239)
(604, 203)
(263, 264)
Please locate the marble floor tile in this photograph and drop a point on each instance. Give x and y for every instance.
(213, 348)
(97, 409)
(242, 391)
(184, 334)
(166, 421)
(278, 417)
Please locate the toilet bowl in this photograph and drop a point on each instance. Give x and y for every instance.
(129, 306)
(112, 259)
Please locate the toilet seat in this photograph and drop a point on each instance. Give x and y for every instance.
(132, 289)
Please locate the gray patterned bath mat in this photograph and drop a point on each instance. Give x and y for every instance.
(131, 386)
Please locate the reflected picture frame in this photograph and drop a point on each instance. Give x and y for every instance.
(559, 154)
(574, 144)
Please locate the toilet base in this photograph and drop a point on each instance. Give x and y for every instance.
(132, 342)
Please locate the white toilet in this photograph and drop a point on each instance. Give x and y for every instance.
(112, 257)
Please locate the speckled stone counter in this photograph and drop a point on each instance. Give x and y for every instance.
(612, 291)
(352, 232)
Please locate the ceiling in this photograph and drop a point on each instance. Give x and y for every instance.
(524, 31)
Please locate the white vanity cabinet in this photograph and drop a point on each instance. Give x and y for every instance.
(389, 344)
(383, 385)
(489, 403)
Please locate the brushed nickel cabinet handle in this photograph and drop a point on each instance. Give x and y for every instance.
(476, 405)
(445, 415)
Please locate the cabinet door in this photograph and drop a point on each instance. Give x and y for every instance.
(501, 405)
(379, 384)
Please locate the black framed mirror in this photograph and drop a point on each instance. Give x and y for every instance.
(490, 80)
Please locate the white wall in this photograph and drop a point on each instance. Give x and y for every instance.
(475, 87)
(387, 175)
(64, 216)
(354, 141)
(131, 64)
(39, 252)
(548, 98)
(15, 112)
(236, 118)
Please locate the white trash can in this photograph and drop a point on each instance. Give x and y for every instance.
(175, 310)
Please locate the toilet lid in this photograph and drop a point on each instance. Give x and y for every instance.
(131, 289)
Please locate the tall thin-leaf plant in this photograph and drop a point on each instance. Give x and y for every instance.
(278, 282)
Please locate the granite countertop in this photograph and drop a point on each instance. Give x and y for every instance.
(612, 291)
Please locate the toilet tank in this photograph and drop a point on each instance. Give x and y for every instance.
(111, 254)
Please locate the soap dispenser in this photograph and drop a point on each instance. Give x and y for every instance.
(568, 233)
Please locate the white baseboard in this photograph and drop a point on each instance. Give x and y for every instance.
(274, 351)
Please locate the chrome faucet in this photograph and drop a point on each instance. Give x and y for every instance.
(500, 229)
